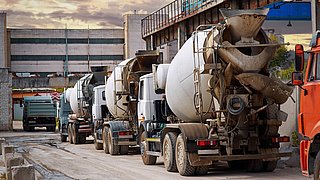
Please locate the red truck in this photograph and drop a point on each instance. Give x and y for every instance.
(309, 114)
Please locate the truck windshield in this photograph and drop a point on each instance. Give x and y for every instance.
(318, 66)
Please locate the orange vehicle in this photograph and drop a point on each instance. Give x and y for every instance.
(309, 115)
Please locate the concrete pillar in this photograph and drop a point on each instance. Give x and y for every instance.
(3, 41)
(182, 34)
(6, 100)
(6, 149)
(25, 172)
(2, 142)
(132, 34)
(315, 15)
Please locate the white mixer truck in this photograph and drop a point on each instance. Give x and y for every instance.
(88, 105)
(215, 101)
(120, 129)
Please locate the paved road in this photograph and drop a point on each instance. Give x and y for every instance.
(56, 160)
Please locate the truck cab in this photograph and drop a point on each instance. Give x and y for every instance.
(147, 99)
(309, 117)
(99, 103)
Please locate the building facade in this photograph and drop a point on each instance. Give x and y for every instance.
(63, 51)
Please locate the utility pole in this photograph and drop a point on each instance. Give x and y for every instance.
(88, 49)
(315, 15)
(65, 64)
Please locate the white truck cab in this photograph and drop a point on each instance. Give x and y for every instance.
(98, 101)
(146, 98)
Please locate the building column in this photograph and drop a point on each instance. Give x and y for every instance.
(315, 15)
(182, 34)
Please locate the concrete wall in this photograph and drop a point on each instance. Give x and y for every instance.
(6, 100)
(292, 109)
(132, 34)
(168, 51)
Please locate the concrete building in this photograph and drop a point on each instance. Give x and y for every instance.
(49, 51)
(132, 34)
(68, 51)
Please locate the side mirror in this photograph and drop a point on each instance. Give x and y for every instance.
(299, 58)
(297, 78)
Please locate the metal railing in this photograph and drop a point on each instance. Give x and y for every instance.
(173, 13)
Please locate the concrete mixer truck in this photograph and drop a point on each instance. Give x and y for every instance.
(120, 129)
(215, 101)
(87, 102)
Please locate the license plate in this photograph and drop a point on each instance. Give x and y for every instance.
(32, 121)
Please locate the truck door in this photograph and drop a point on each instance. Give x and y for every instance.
(310, 97)
(141, 101)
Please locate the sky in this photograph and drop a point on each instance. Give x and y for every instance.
(75, 14)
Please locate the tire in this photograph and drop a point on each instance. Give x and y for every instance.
(124, 150)
(316, 171)
(70, 134)
(113, 149)
(75, 135)
(269, 166)
(237, 165)
(63, 138)
(202, 170)
(105, 140)
(147, 159)
(26, 128)
(97, 145)
(51, 128)
(169, 158)
(182, 158)
(82, 139)
(255, 165)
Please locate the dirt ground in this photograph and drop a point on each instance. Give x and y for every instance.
(55, 160)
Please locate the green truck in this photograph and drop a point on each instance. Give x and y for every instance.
(39, 111)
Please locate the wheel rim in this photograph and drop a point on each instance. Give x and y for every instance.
(109, 143)
(180, 155)
(166, 152)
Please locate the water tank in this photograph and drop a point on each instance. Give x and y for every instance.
(180, 82)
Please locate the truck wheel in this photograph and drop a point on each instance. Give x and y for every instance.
(113, 149)
(147, 159)
(51, 129)
(70, 137)
(317, 167)
(124, 150)
(169, 158)
(255, 165)
(105, 140)
(182, 158)
(202, 170)
(237, 165)
(26, 128)
(63, 138)
(97, 145)
(269, 166)
(82, 138)
(75, 135)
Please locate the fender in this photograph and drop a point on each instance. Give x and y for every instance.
(190, 131)
(117, 126)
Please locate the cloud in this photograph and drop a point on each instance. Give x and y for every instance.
(75, 13)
